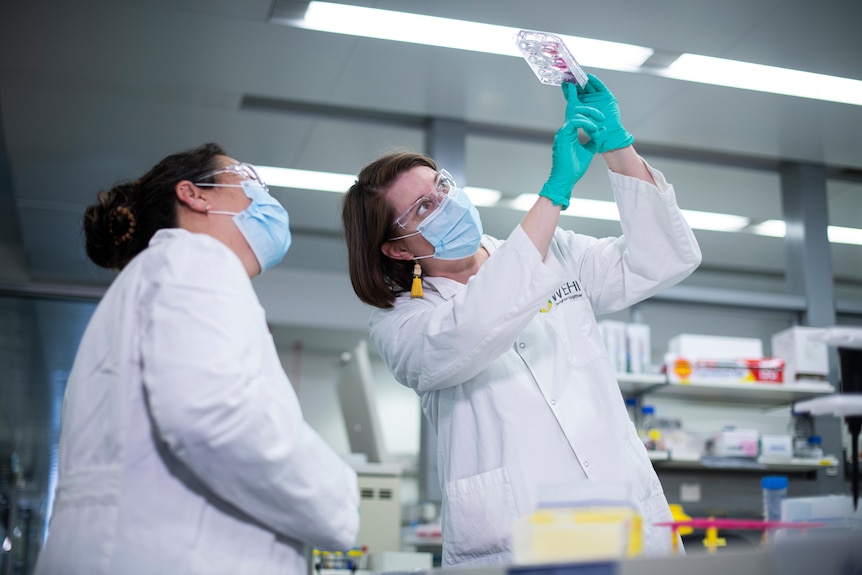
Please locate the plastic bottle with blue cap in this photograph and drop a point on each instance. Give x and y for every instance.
(774, 489)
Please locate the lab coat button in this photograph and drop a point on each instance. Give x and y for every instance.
(586, 463)
(522, 345)
(553, 402)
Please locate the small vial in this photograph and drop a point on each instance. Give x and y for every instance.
(631, 408)
(647, 422)
(774, 489)
(815, 447)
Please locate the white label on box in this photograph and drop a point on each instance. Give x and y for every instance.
(689, 492)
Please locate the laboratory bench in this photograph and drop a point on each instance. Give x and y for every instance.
(832, 554)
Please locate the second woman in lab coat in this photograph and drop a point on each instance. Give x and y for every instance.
(183, 448)
(499, 338)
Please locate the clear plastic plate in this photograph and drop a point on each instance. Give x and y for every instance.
(549, 58)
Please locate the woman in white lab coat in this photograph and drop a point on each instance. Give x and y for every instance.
(499, 338)
(183, 448)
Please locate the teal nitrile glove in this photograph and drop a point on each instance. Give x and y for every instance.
(570, 158)
(611, 135)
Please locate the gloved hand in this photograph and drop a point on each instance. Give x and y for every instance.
(571, 158)
(611, 135)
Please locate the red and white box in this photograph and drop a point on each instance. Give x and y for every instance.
(765, 370)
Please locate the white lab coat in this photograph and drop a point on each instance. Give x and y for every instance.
(523, 400)
(183, 448)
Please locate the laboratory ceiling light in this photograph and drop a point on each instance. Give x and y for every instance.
(579, 207)
(747, 76)
(493, 39)
(339, 183)
(305, 179)
(604, 210)
(459, 34)
(836, 234)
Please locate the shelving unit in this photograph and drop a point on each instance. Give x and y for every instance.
(765, 395)
(751, 394)
(640, 383)
(665, 460)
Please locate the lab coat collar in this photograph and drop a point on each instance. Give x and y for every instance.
(166, 234)
(447, 288)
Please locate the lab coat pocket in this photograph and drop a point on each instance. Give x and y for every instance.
(575, 324)
(480, 511)
(648, 496)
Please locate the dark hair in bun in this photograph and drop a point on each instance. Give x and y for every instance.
(124, 218)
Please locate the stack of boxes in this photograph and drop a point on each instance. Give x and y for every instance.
(720, 359)
(628, 345)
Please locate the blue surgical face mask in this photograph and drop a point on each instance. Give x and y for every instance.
(454, 228)
(264, 224)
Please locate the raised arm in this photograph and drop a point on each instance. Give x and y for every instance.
(570, 160)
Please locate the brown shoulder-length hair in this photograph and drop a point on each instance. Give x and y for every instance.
(367, 220)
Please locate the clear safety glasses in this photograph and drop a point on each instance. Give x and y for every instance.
(427, 205)
(245, 171)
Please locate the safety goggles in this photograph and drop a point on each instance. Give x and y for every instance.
(424, 207)
(243, 170)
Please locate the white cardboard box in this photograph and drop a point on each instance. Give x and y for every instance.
(614, 336)
(736, 443)
(693, 346)
(804, 358)
(638, 346)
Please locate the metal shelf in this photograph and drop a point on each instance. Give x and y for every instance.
(756, 394)
(664, 460)
(765, 395)
(638, 383)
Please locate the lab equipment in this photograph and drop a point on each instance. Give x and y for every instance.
(800, 428)
(736, 442)
(712, 541)
(647, 422)
(815, 449)
(834, 511)
(575, 523)
(637, 347)
(549, 58)
(379, 509)
(578, 532)
(848, 403)
(632, 409)
(776, 447)
(614, 336)
(358, 404)
(805, 359)
(693, 346)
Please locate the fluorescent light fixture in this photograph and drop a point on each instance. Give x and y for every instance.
(305, 179)
(604, 210)
(493, 39)
(839, 235)
(771, 228)
(747, 76)
(836, 234)
(459, 34)
(482, 196)
(340, 183)
(579, 207)
(714, 221)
